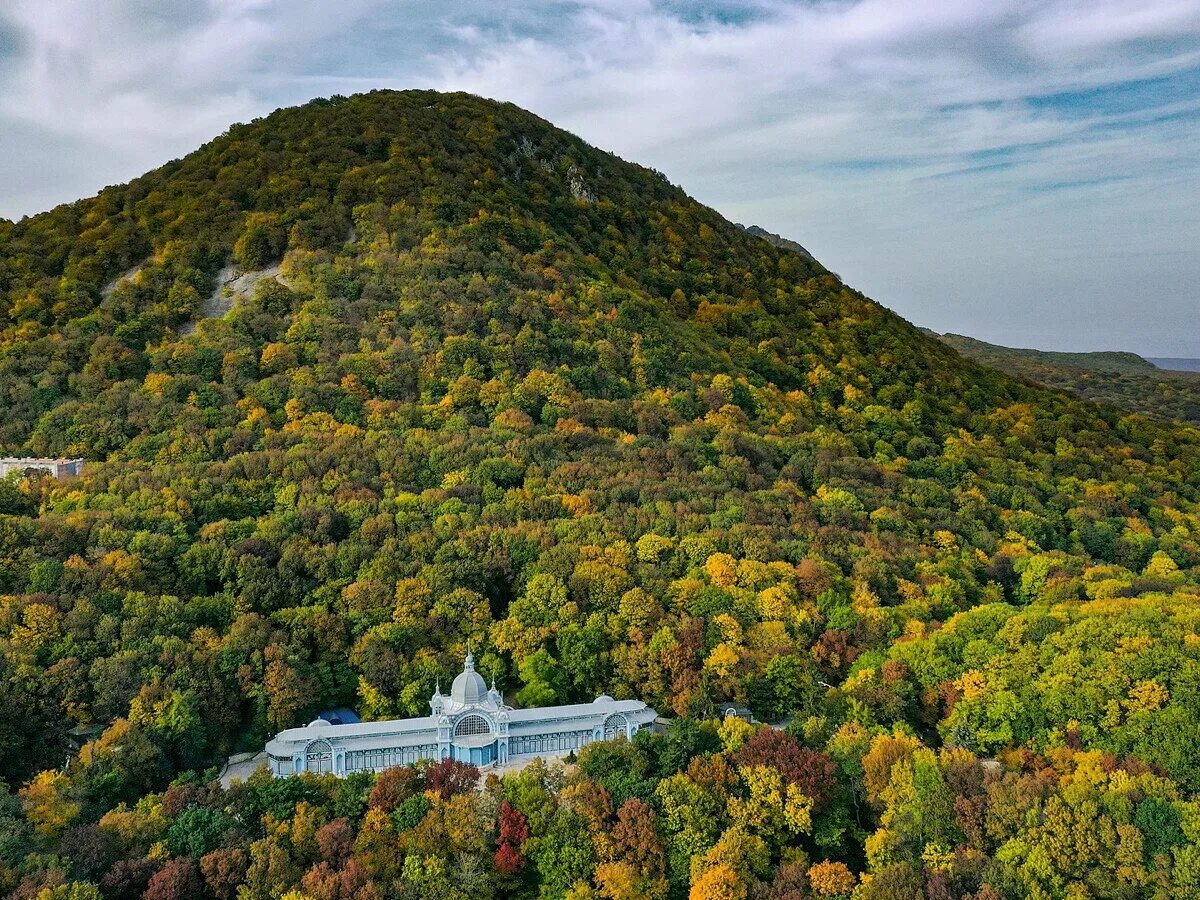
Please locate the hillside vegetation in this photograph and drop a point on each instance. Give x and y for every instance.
(1124, 380)
(510, 390)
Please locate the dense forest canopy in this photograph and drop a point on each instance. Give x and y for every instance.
(481, 382)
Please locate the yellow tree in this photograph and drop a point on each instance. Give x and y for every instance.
(47, 804)
(718, 883)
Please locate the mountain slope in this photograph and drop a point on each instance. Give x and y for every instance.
(1124, 380)
(400, 170)
(508, 390)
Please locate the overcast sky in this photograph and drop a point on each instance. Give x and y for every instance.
(1024, 171)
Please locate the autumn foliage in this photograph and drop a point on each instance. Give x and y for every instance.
(507, 391)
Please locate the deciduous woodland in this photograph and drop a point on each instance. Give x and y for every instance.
(510, 390)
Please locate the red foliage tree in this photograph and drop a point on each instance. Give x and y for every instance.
(177, 798)
(322, 882)
(790, 883)
(835, 651)
(177, 880)
(127, 879)
(450, 777)
(814, 772)
(224, 870)
(335, 841)
(357, 884)
(636, 839)
(507, 860)
(938, 887)
(513, 832)
(514, 826)
(394, 786)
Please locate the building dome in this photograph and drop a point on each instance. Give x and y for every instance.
(469, 688)
(603, 698)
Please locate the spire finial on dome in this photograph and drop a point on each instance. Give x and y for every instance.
(469, 688)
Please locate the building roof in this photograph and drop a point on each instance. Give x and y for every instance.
(469, 688)
(40, 460)
(598, 707)
(390, 733)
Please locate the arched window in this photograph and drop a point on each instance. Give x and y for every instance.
(318, 757)
(614, 725)
(469, 725)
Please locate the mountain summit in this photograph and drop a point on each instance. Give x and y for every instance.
(475, 221)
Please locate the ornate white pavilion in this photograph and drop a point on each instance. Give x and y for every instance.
(471, 724)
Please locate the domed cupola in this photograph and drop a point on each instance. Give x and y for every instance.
(469, 688)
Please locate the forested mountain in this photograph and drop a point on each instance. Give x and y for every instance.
(1124, 380)
(481, 382)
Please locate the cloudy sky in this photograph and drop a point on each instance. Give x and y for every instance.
(1025, 171)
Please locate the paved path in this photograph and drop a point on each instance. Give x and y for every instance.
(518, 764)
(242, 766)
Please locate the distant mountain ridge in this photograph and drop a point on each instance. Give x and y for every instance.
(1176, 363)
(1118, 378)
(1093, 361)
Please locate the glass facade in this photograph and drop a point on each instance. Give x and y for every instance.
(555, 742)
(477, 756)
(468, 725)
(377, 760)
(473, 738)
(614, 725)
(319, 757)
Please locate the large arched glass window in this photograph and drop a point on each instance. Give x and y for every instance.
(614, 725)
(469, 725)
(318, 757)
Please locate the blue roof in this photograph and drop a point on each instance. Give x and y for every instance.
(342, 715)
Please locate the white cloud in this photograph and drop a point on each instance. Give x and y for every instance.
(1095, 25)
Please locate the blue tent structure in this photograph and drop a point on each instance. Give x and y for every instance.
(341, 715)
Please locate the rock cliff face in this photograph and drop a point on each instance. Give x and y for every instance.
(776, 240)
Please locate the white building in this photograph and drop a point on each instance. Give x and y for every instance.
(59, 468)
(472, 724)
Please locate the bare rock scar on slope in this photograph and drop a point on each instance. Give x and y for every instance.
(128, 275)
(232, 283)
